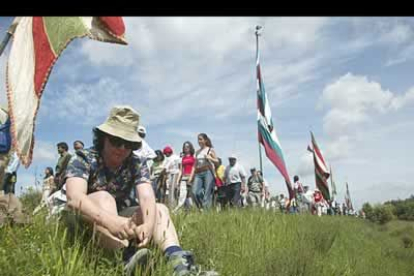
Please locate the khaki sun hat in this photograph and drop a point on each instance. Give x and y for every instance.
(122, 122)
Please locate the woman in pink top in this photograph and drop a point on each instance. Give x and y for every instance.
(186, 169)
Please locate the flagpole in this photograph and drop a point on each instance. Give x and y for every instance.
(8, 35)
(257, 33)
(4, 43)
(330, 171)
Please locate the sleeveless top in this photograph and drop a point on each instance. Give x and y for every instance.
(202, 163)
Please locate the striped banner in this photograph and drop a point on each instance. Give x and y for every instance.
(266, 130)
(348, 201)
(333, 185)
(321, 171)
(37, 44)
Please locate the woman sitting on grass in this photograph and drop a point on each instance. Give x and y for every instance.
(98, 183)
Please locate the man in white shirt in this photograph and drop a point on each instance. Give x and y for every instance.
(234, 182)
(145, 151)
(172, 168)
(307, 199)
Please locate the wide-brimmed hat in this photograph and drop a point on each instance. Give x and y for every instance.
(122, 122)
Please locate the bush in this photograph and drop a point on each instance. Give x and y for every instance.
(368, 210)
(30, 199)
(407, 241)
(404, 209)
(381, 214)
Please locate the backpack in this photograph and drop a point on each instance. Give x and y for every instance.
(5, 137)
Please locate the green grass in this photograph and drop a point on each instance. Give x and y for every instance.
(235, 242)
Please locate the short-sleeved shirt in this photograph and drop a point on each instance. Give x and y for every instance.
(188, 162)
(156, 169)
(89, 165)
(254, 183)
(234, 174)
(145, 151)
(172, 164)
(62, 163)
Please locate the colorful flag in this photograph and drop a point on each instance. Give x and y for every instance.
(37, 44)
(321, 171)
(267, 131)
(333, 185)
(348, 201)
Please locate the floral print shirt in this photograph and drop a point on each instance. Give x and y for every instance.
(89, 165)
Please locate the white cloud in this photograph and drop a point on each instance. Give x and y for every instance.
(305, 166)
(381, 192)
(45, 152)
(195, 37)
(401, 101)
(402, 56)
(397, 34)
(83, 103)
(352, 101)
(197, 65)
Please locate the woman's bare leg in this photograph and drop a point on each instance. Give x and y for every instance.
(106, 202)
(164, 234)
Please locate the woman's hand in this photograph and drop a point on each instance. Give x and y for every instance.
(143, 233)
(120, 227)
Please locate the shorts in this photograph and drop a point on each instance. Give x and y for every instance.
(77, 226)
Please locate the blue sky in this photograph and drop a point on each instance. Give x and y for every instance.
(349, 80)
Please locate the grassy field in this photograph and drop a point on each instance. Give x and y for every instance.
(235, 242)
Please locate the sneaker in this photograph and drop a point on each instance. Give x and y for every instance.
(183, 265)
(134, 257)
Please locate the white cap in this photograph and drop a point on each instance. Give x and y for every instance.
(233, 156)
(141, 129)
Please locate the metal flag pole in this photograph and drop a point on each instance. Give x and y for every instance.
(257, 33)
(330, 171)
(8, 35)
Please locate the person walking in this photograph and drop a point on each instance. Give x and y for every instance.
(234, 182)
(48, 188)
(186, 168)
(62, 163)
(203, 178)
(255, 187)
(171, 165)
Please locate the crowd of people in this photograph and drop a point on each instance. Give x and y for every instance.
(128, 190)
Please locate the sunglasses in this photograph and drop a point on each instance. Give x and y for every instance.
(118, 142)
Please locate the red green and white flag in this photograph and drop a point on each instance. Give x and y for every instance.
(348, 198)
(266, 130)
(37, 44)
(321, 170)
